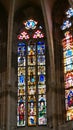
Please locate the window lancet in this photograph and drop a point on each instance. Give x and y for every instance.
(67, 43)
(31, 107)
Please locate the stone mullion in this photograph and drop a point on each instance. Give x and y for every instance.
(48, 21)
(59, 92)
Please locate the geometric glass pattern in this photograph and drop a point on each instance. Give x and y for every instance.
(67, 43)
(30, 24)
(69, 13)
(31, 106)
(66, 24)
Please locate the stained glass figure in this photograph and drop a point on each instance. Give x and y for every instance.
(31, 107)
(42, 113)
(31, 110)
(31, 60)
(21, 114)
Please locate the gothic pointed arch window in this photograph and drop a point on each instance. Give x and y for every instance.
(31, 44)
(67, 43)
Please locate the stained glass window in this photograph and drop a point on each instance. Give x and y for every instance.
(32, 106)
(68, 73)
(69, 12)
(67, 43)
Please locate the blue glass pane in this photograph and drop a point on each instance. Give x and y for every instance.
(41, 78)
(40, 49)
(70, 98)
(31, 120)
(21, 44)
(21, 99)
(68, 61)
(41, 60)
(68, 68)
(68, 53)
(40, 43)
(66, 24)
(21, 61)
(69, 13)
(22, 50)
(21, 79)
(42, 98)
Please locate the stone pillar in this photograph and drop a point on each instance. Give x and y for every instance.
(59, 86)
(48, 24)
(71, 3)
(9, 57)
(9, 44)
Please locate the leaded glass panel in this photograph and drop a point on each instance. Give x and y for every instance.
(31, 106)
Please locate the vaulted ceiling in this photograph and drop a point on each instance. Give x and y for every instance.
(20, 3)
